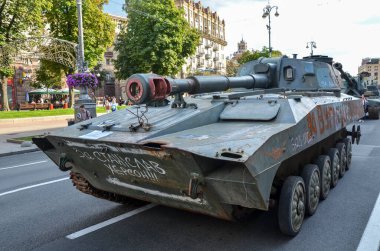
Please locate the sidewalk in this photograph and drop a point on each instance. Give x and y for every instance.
(15, 128)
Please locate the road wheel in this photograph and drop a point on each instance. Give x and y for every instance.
(291, 209)
(373, 112)
(343, 158)
(335, 165)
(324, 164)
(311, 176)
(348, 144)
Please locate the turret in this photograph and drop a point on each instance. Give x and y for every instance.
(265, 73)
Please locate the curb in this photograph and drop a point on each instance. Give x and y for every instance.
(19, 152)
(14, 121)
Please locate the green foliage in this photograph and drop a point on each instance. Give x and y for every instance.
(231, 68)
(49, 75)
(16, 18)
(6, 71)
(98, 28)
(19, 16)
(43, 113)
(248, 56)
(253, 55)
(157, 39)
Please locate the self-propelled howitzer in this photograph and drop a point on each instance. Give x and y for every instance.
(282, 140)
(356, 87)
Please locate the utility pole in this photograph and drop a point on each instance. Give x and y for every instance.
(84, 98)
(312, 45)
(266, 13)
(80, 55)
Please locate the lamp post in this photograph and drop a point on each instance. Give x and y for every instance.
(312, 45)
(266, 13)
(84, 98)
(80, 55)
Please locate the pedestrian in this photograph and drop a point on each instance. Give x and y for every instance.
(113, 105)
(83, 114)
(365, 107)
(105, 98)
(121, 101)
(107, 104)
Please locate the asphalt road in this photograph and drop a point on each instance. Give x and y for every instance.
(41, 217)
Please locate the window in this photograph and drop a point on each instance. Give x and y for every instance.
(108, 61)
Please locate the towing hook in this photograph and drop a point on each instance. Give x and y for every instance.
(65, 164)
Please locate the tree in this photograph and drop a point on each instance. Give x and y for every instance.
(248, 56)
(231, 68)
(17, 17)
(253, 55)
(157, 39)
(98, 29)
(48, 76)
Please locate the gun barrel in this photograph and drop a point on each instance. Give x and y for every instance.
(351, 82)
(144, 88)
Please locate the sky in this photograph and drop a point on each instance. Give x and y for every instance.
(347, 30)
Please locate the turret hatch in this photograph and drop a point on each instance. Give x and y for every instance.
(260, 111)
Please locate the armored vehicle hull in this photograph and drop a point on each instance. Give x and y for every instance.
(218, 154)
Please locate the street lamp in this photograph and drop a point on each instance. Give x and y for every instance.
(80, 56)
(266, 13)
(312, 45)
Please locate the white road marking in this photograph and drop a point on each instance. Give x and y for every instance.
(109, 222)
(370, 240)
(33, 186)
(28, 164)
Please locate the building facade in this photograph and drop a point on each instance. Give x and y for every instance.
(210, 56)
(372, 66)
(242, 47)
(110, 85)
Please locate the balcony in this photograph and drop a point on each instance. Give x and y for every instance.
(208, 56)
(216, 58)
(215, 48)
(208, 45)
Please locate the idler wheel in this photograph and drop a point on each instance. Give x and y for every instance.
(291, 210)
(355, 134)
(335, 165)
(324, 164)
(343, 158)
(311, 177)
